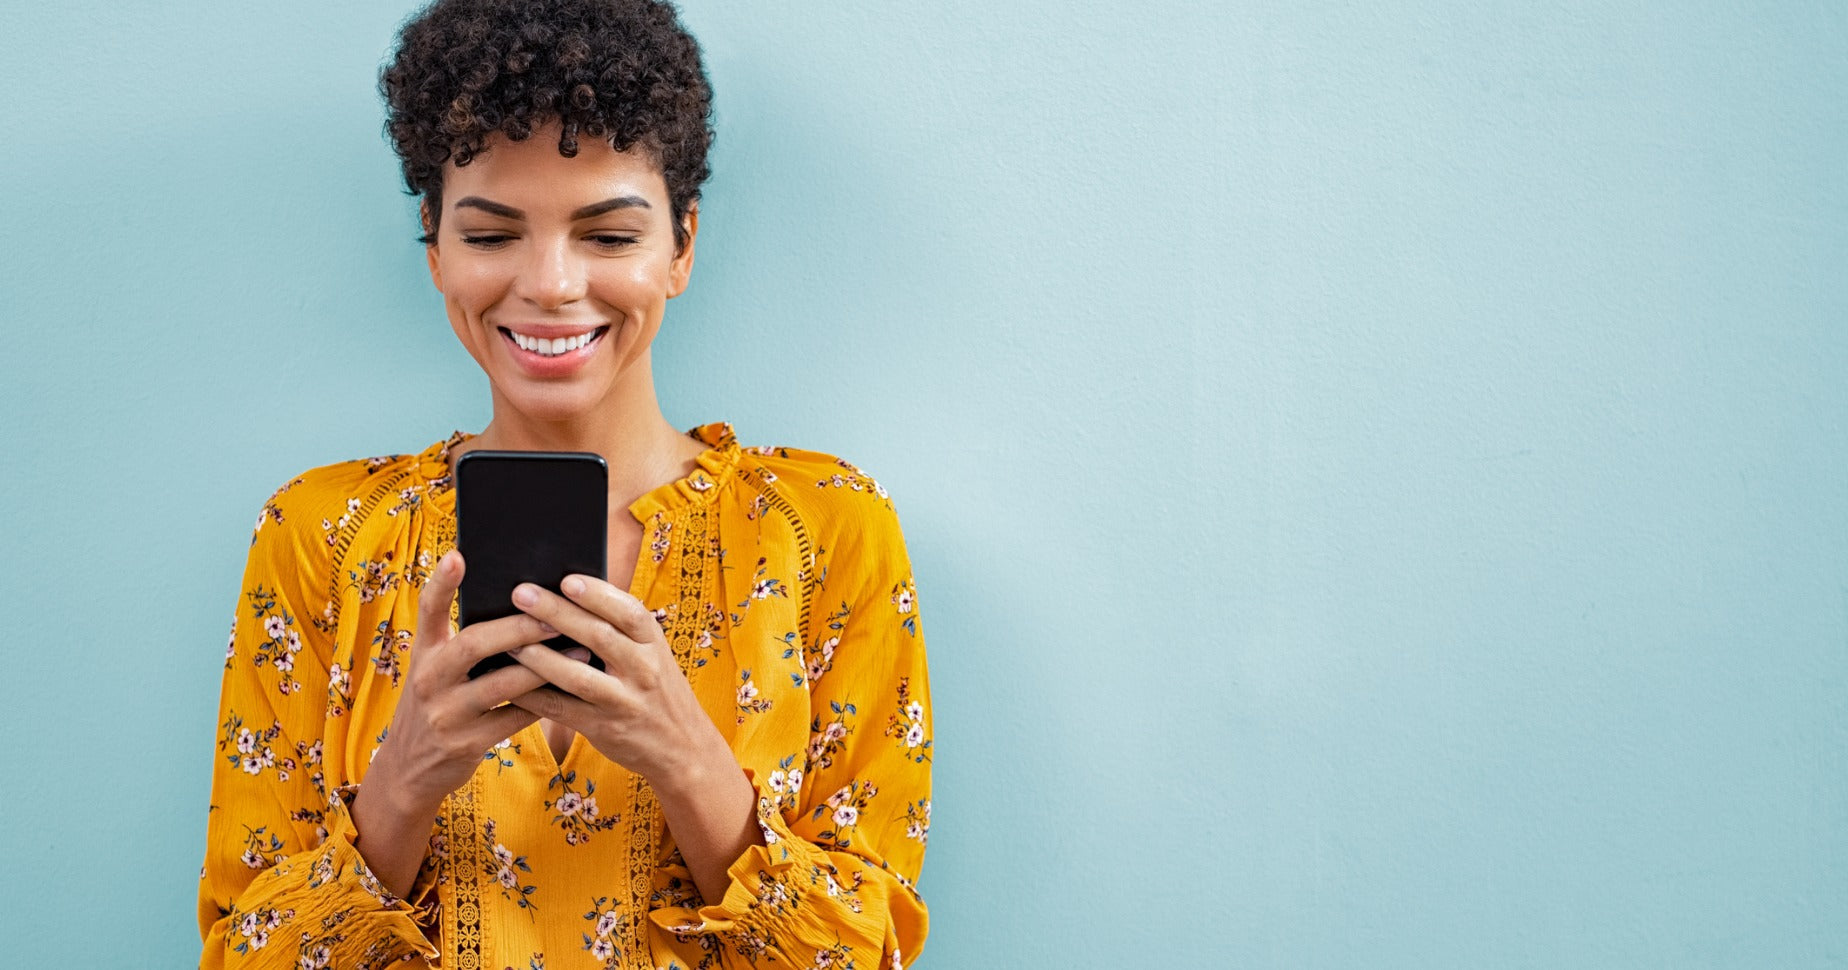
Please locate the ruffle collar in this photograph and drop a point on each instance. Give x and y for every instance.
(699, 486)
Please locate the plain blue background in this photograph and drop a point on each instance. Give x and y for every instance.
(1375, 473)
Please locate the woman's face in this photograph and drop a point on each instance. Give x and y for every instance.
(556, 271)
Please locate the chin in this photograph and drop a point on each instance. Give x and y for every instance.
(550, 404)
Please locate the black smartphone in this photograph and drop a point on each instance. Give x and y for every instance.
(527, 517)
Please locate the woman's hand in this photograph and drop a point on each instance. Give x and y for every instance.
(641, 713)
(443, 724)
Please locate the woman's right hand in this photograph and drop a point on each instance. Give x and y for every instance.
(443, 725)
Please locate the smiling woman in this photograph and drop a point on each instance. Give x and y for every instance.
(748, 776)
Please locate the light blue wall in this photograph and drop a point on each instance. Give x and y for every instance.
(1376, 475)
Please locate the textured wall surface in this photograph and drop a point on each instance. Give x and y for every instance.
(1375, 474)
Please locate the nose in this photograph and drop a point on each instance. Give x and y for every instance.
(554, 275)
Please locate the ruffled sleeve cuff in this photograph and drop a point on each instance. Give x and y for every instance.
(327, 902)
(786, 898)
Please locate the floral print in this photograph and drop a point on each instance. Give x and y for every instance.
(578, 814)
(509, 871)
(907, 724)
(390, 648)
(604, 920)
(825, 741)
(280, 642)
(750, 699)
(815, 655)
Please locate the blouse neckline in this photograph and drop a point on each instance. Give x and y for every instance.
(698, 487)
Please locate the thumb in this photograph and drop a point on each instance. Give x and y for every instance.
(439, 591)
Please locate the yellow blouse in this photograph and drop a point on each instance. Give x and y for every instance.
(780, 578)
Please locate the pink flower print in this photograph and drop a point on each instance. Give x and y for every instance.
(569, 803)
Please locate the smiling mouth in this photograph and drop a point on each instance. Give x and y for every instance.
(557, 347)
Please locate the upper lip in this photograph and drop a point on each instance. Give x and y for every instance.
(551, 331)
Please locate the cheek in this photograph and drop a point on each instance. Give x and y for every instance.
(635, 284)
(472, 286)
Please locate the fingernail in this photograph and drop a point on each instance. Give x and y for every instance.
(573, 585)
(523, 595)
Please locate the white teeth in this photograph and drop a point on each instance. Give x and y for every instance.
(552, 348)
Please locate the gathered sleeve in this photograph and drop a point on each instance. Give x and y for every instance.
(283, 884)
(844, 822)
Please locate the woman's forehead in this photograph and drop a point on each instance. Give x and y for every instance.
(535, 169)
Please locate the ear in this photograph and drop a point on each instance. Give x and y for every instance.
(436, 271)
(681, 269)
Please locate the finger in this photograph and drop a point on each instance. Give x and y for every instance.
(573, 712)
(575, 678)
(630, 616)
(438, 592)
(576, 622)
(500, 685)
(499, 724)
(479, 641)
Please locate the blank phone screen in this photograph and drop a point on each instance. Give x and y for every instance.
(526, 517)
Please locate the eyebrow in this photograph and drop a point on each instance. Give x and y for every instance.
(590, 211)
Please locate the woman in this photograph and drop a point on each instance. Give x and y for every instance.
(749, 776)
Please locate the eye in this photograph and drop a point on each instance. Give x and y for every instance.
(487, 240)
(606, 240)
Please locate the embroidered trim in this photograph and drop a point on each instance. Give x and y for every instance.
(462, 920)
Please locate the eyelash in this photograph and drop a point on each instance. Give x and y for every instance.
(602, 240)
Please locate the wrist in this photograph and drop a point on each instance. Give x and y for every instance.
(390, 800)
(701, 770)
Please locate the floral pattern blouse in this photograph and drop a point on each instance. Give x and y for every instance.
(780, 578)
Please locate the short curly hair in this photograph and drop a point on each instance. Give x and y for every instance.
(622, 70)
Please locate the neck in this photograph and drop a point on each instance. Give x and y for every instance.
(643, 450)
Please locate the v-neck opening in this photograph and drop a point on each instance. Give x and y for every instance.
(557, 764)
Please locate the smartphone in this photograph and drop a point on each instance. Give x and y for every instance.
(527, 517)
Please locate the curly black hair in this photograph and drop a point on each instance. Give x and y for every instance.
(622, 70)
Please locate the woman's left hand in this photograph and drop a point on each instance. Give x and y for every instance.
(639, 711)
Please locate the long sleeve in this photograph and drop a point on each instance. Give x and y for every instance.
(283, 884)
(845, 821)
